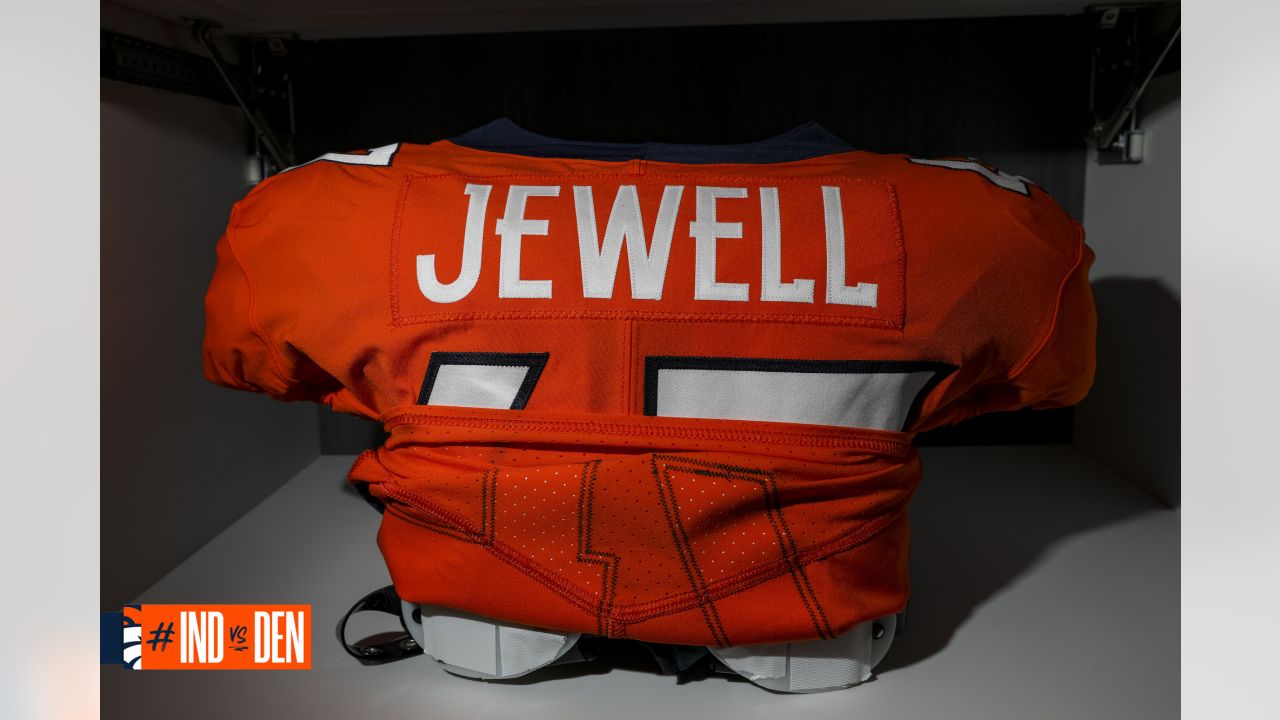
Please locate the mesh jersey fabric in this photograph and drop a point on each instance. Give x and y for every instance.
(695, 383)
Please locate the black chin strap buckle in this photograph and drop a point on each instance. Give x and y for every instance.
(383, 649)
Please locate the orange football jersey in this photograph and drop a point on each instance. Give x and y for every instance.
(658, 392)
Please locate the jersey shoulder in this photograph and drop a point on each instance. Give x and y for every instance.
(320, 186)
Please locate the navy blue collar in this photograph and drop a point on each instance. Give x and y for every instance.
(504, 136)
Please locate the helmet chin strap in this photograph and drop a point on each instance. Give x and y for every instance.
(384, 650)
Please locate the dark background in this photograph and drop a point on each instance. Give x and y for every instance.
(1010, 91)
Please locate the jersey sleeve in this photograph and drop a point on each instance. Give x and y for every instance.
(1034, 343)
(237, 352)
(1056, 369)
(242, 352)
(1060, 369)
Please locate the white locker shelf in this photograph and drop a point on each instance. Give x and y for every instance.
(1043, 585)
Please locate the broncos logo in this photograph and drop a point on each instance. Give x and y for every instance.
(132, 636)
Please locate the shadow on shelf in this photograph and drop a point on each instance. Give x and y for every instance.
(1018, 502)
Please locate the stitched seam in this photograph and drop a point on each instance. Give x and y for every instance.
(676, 602)
(684, 549)
(607, 561)
(459, 529)
(450, 520)
(626, 367)
(575, 596)
(801, 319)
(801, 579)
(887, 447)
(273, 355)
(395, 247)
(902, 255)
(773, 510)
(638, 378)
(1026, 362)
(720, 589)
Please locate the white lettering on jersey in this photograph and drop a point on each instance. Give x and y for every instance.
(863, 294)
(648, 265)
(377, 157)
(771, 285)
(513, 226)
(706, 230)
(1016, 183)
(472, 245)
(625, 226)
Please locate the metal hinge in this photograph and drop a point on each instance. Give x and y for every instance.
(1131, 43)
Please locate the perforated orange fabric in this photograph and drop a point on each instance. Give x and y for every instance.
(589, 503)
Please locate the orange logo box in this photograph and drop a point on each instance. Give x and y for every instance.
(224, 637)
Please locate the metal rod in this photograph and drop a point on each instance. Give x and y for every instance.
(1112, 128)
(278, 156)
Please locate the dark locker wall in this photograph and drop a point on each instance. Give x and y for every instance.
(1010, 91)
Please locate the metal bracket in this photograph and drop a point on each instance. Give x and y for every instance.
(279, 155)
(128, 59)
(272, 57)
(1131, 43)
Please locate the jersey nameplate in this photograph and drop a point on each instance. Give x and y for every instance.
(822, 250)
